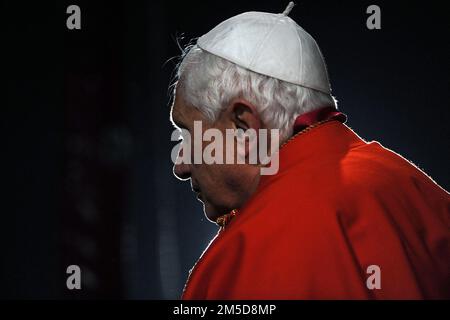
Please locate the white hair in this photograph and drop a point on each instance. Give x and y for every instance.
(209, 83)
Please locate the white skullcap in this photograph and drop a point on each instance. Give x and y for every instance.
(269, 44)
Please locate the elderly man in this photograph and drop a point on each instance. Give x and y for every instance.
(341, 218)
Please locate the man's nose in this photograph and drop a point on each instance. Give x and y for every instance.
(181, 170)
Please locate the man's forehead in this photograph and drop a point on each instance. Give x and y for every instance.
(175, 108)
(183, 114)
(177, 112)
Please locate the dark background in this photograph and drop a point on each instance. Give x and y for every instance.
(86, 168)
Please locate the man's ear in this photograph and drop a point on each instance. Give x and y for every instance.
(244, 115)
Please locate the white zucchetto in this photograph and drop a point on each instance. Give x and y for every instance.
(270, 44)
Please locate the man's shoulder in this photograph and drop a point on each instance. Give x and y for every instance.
(374, 166)
(377, 169)
(367, 169)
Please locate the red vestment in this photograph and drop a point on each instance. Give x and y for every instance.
(337, 206)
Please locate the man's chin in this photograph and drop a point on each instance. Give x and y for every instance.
(212, 213)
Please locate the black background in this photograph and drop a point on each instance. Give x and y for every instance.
(86, 168)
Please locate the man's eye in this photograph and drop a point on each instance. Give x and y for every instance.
(240, 133)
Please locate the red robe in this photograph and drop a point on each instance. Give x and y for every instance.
(337, 206)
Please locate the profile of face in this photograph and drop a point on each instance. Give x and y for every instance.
(220, 187)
